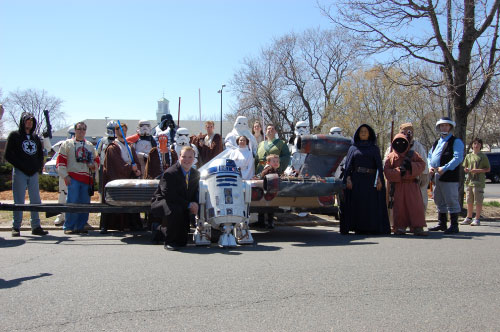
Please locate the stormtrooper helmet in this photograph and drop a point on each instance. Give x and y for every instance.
(301, 128)
(71, 132)
(182, 136)
(336, 131)
(110, 128)
(144, 128)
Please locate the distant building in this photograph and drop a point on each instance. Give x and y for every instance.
(163, 108)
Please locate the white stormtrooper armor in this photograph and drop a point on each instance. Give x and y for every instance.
(240, 128)
(182, 140)
(144, 143)
(336, 131)
(297, 159)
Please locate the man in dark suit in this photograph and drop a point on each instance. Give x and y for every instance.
(177, 198)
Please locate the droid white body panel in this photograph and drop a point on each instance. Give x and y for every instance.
(224, 205)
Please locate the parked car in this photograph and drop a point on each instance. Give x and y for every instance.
(50, 166)
(494, 173)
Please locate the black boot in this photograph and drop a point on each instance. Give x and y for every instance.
(261, 220)
(442, 220)
(453, 224)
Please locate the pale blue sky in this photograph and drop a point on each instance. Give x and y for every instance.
(114, 59)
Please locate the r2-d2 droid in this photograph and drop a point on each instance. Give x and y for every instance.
(224, 205)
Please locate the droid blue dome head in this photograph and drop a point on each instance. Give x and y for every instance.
(221, 166)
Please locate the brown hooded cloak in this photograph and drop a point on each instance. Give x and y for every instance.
(408, 208)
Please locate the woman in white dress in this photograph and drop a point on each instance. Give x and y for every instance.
(243, 158)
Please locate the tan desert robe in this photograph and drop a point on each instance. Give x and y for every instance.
(408, 208)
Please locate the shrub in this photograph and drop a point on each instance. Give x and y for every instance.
(5, 176)
(48, 183)
(492, 203)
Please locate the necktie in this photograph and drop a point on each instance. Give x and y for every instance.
(187, 179)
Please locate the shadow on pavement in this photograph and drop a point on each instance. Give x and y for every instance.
(5, 243)
(145, 238)
(311, 237)
(16, 282)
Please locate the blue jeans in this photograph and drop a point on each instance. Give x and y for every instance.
(78, 192)
(21, 182)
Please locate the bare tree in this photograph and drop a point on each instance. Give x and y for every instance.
(260, 88)
(459, 38)
(2, 110)
(34, 102)
(296, 78)
(368, 96)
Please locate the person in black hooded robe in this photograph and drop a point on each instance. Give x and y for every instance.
(364, 208)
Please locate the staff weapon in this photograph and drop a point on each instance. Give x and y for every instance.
(199, 105)
(179, 113)
(126, 144)
(263, 126)
(392, 127)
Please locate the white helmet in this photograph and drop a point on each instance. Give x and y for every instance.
(336, 131)
(110, 128)
(182, 136)
(241, 125)
(301, 128)
(445, 120)
(71, 131)
(144, 128)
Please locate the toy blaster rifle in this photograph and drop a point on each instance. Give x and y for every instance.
(48, 130)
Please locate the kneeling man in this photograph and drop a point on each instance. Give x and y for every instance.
(177, 198)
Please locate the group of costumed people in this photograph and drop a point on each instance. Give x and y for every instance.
(148, 155)
(407, 168)
(364, 208)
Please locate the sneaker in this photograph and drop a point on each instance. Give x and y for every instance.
(16, 232)
(39, 231)
(475, 222)
(467, 221)
(69, 231)
(59, 221)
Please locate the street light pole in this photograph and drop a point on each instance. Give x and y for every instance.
(220, 91)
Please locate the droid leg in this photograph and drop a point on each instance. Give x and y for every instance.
(202, 233)
(242, 233)
(227, 238)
